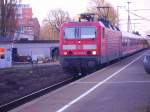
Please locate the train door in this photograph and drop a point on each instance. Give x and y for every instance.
(103, 46)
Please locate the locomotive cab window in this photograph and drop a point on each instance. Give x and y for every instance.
(88, 32)
(80, 33)
(69, 33)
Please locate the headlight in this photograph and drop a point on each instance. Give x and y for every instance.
(65, 53)
(94, 52)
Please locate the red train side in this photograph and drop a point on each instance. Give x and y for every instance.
(87, 45)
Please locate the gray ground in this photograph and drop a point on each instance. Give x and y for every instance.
(18, 82)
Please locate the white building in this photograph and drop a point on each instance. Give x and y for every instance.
(10, 51)
(41, 48)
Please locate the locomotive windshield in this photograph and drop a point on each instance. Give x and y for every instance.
(79, 32)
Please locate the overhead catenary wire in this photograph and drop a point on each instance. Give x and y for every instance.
(132, 12)
(131, 19)
(142, 18)
(141, 10)
(138, 15)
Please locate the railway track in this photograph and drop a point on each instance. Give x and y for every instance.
(10, 105)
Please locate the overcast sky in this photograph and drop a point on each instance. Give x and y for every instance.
(74, 7)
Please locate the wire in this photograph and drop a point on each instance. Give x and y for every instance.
(129, 11)
(141, 10)
(131, 19)
(140, 16)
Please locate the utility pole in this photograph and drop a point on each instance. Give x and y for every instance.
(118, 7)
(128, 25)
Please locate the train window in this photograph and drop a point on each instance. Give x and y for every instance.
(69, 33)
(88, 32)
(79, 32)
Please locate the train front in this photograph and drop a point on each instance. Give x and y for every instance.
(79, 46)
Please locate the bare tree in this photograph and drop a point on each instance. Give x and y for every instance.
(8, 20)
(106, 11)
(45, 32)
(56, 17)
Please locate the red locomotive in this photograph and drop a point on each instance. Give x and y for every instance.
(87, 45)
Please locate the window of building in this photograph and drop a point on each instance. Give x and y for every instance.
(2, 53)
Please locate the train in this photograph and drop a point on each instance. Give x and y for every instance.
(87, 45)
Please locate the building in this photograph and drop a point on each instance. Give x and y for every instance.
(5, 54)
(35, 49)
(19, 51)
(28, 28)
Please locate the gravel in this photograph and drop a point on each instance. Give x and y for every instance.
(18, 82)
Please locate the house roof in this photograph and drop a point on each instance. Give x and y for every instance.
(28, 41)
(36, 41)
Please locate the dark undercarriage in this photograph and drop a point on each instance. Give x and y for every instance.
(79, 65)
